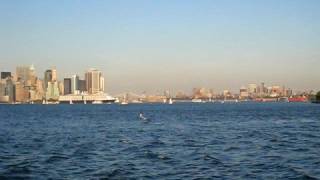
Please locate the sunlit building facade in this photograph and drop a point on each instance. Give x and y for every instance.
(94, 81)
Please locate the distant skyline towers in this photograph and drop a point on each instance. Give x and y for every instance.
(5, 75)
(94, 81)
(75, 84)
(47, 77)
(54, 74)
(252, 88)
(50, 75)
(67, 86)
(26, 74)
(82, 85)
(51, 85)
(262, 88)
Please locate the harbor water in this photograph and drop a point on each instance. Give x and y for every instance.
(178, 141)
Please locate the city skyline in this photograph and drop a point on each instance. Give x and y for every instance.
(154, 46)
(77, 83)
(25, 86)
(82, 75)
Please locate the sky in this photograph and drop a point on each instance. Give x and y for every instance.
(152, 46)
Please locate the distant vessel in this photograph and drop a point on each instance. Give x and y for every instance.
(124, 100)
(124, 103)
(170, 101)
(283, 99)
(297, 99)
(142, 117)
(86, 99)
(196, 100)
(97, 102)
(136, 101)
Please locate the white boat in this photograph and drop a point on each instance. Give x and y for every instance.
(96, 102)
(170, 101)
(196, 100)
(124, 103)
(124, 100)
(142, 117)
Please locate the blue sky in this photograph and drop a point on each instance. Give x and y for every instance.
(156, 45)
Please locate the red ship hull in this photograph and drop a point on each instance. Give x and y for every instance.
(298, 99)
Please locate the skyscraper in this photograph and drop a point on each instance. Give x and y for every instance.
(51, 84)
(47, 78)
(5, 75)
(10, 90)
(252, 89)
(26, 75)
(75, 84)
(94, 81)
(21, 93)
(262, 88)
(67, 86)
(82, 86)
(54, 76)
(52, 92)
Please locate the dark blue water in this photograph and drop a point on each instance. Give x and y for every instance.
(181, 141)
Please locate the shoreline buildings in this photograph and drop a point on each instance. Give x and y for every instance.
(25, 87)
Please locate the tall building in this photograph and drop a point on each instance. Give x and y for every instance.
(243, 92)
(67, 86)
(21, 93)
(262, 88)
(47, 78)
(26, 75)
(10, 90)
(75, 84)
(5, 75)
(82, 86)
(2, 87)
(61, 87)
(6, 90)
(54, 76)
(252, 89)
(39, 89)
(51, 84)
(94, 81)
(52, 92)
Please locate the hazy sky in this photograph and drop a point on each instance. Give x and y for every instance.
(168, 44)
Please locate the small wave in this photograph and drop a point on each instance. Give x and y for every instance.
(113, 174)
(21, 170)
(153, 155)
(306, 120)
(212, 159)
(152, 144)
(56, 158)
(231, 148)
(125, 141)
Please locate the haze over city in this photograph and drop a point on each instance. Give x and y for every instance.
(156, 45)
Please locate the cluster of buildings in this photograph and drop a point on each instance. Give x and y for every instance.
(24, 86)
(251, 92)
(262, 91)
